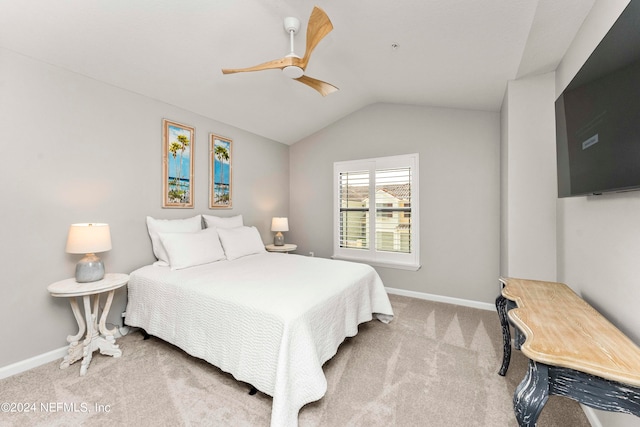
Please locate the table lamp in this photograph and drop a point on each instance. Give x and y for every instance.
(279, 225)
(89, 239)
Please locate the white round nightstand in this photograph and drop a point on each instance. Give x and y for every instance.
(97, 337)
(286, 248)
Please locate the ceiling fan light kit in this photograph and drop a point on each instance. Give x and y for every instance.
(293, 72)
(292, 65)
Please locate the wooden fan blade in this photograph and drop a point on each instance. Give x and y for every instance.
(319, 26)
(271, 65)
(323, 87)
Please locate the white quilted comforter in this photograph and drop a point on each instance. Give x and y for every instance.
(270, 320)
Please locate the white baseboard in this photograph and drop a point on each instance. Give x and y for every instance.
(33, 362)
(591, 415)
(50, 356)
(440, 298)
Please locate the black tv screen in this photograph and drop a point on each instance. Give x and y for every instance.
(598, 115)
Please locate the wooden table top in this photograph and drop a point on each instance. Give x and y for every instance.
(561, 329)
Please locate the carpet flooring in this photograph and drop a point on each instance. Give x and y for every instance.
(435, 365)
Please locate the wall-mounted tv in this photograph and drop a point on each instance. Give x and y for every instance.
(598, 116)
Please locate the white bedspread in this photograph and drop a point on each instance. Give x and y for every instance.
(270, 320)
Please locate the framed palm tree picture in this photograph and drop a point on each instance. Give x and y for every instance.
(177, 165)
(220, 171)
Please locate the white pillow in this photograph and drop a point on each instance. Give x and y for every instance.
(223, 222)
(240, 241)
(155, 226)
(190, 249)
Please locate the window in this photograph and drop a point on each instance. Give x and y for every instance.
(384, 232)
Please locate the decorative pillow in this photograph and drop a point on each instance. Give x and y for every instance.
(223, 222)
(190, 249)
(155, 226)
(240, 241)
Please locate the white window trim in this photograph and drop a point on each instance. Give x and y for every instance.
(370, 256)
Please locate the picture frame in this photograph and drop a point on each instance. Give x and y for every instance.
(177, 165)
(220, 172)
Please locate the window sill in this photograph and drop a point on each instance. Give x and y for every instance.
(398, 266)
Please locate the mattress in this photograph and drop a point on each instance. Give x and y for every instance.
(269, 319)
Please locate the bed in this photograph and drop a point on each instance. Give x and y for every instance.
(269, 319)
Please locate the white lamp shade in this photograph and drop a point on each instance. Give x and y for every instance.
(88, 238)
(279, 224)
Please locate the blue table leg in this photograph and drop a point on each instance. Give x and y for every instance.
(501, 307)
(532, 394)
(543, 380)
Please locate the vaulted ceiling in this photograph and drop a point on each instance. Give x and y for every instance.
(449, 53)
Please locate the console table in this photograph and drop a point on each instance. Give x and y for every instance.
(573, 350)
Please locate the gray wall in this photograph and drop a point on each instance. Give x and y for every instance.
(459, 191)
(77, 150)
(599, 236)
(529, 179)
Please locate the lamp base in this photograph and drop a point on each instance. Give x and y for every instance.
(278, 240)
(89, 269)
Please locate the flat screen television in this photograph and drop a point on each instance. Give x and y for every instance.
(598, 116)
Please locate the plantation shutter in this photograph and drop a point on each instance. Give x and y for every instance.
(354, 209)
(393, 210)
(376, 211)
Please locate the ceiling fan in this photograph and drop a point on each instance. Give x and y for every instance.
(292, 65)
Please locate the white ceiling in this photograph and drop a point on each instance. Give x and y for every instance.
(452, 53)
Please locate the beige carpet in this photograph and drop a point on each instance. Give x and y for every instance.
(434, 365)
